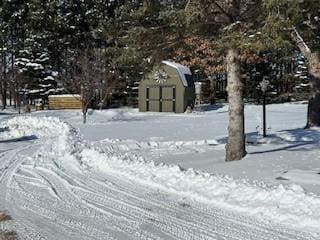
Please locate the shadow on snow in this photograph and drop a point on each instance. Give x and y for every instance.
(298, 139)
(20, 139)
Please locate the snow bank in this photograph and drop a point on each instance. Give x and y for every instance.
(58, 137)
(27, 126)
(288, 205)
(133, 145)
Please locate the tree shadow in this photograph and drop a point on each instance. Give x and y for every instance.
(286, 148)
(207, 108)
(298, 139)
(20, 139)
(6, 113)
(123, 117)
(5, 129)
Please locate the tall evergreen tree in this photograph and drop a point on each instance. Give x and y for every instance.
(234, 23)
(13, 25)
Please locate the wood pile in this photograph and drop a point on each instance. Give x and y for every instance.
(66, 101)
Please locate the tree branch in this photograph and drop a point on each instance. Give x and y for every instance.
(303, 47)
(222, 11)
(187, 5)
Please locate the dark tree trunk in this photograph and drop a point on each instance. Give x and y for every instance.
(314, 111)
(235, 149)
(84, 112)
(313, 119)
(4, 82)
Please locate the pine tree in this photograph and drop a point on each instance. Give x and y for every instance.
(236, 24)
(140, 35)
(13, 21)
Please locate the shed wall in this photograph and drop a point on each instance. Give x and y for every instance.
(161, 95)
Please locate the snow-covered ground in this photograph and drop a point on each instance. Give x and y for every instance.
(131, 175)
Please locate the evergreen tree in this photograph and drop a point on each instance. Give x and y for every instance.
(13, 15)
(237, 25)
(140, 35)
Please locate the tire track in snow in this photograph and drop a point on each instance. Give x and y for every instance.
(68, 211)
(116, 200)
(10, 160)
(54, 219)
(176, 228)
(201, 215)
(115, 220)
(131, 190)
(125, 204)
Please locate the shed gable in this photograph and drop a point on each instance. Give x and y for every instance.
(183, 71)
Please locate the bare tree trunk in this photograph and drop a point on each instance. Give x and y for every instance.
(235, 149)
(313, 118)
(84, 105)
(84, 113)
(4, 83)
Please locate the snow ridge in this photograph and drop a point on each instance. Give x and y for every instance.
(283, 204)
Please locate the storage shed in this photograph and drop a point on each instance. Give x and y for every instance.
(168, 88)
(65, 101)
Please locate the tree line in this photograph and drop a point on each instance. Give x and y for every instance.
(42, 44)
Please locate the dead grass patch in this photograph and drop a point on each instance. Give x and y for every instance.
(6, 235)
(9, 235)
(4, 217)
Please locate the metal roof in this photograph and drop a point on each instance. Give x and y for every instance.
(182, 70)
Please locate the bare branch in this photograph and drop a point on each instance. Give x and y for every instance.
(222, 11)
(303, 47)
(187, 5)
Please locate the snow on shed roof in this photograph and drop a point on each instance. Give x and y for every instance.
(65, 96)
(182, 70)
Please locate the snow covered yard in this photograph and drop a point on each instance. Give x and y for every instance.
(289, 153)
(126, 175)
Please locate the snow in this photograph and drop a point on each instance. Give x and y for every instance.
(65, 96)
(35, 91)
(160, 175)
(27, 126)
(45, 85)
(302, 176)
(22, 60)
(36, 66)
(182, 70)
(49, 78)
(287, 205)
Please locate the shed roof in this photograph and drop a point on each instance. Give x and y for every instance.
(182, 70)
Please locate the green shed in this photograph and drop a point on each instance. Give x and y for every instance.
(168, 88)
